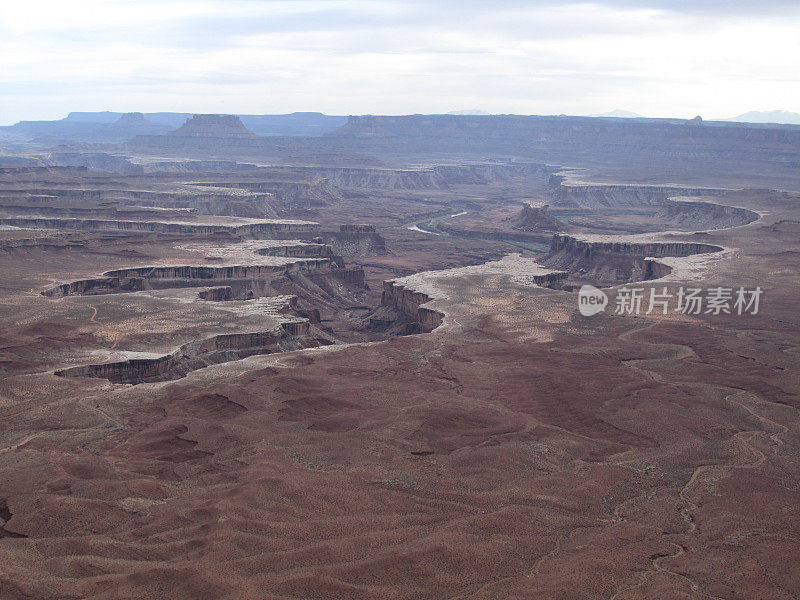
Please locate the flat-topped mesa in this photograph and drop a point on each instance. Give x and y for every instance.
(183, 276)
(601, 195)
(204, 136)
(404, 302)
(213, 126)
(256, 229)
(535, 217)
(563, 139)
(610, 260)
(20, 208)
(292, 335)
(594, 245)
(243, 270)
(692, 214)
(354, 240)
(71, 200)
(628, 245)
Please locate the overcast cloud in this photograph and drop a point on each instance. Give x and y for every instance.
(656, 58)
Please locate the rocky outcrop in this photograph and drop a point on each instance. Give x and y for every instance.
(408, 303)
(355, 240)
(217, 294)
(534, 217)
(354, 277)
(213, 126)
(609, 260)
(654, 269)
(312, 315)
(298, 327)
(100, 285)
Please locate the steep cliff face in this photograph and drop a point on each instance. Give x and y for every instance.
(408, 303)
(72, 200)
(222, 272)
(258, 230)
(297, 327)
(141, 278)
(293, 335)
(694, 215)
(609, 261)
(598, 245)
(355, 240)
(101, 285)
(354, 277)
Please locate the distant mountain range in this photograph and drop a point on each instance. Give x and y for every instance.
(468, 112)
(767, 116)
(107, 126)
(115, 127)
(617, 114)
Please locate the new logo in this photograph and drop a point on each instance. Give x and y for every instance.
(591, 300)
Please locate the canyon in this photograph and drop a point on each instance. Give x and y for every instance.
(305, 356)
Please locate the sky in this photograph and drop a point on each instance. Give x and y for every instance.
(658, 58)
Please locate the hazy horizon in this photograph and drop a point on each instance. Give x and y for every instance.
(656, 58)
(756, 117)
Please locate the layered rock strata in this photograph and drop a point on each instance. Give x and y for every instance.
(693, 214)
(609, 260)
(257, 229)
(414, 299)
(181, 276)
(600, 195)
(293, 335)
